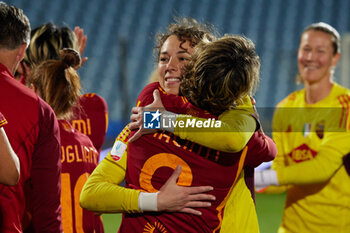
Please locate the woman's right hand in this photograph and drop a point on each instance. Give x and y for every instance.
(81, 40)
(175, 198)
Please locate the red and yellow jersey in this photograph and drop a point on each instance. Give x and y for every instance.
(148, 168)
(79, 158)
(311, 141)
(91, 118)
(33, 132)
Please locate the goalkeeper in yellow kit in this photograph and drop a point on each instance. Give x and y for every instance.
(311, 131)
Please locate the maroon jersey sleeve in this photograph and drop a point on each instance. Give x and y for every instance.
(46, 174)
(261, 148)
(146, 95)
(91, 118)
(172, 103)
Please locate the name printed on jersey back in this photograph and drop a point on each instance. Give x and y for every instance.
(74, 153)
(83, 126)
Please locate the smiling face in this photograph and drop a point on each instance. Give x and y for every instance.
(316, 57)
(173, 56)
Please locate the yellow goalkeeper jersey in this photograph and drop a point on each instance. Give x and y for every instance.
(311, 141)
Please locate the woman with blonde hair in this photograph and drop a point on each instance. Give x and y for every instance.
(312, 134)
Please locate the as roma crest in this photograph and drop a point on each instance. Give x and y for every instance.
(320, 129)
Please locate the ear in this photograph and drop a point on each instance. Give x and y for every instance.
(32, 87)
(335, 59)
(21, 51)
(36, 90)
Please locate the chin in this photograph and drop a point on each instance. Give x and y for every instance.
(173, 90)
(310, 78)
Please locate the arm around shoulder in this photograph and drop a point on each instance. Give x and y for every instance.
(237, 127)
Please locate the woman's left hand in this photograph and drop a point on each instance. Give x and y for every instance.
(137, 117)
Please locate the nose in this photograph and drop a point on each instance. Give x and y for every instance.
(172, 64)
(309, 56)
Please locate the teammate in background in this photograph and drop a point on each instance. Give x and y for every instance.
(33, 134)
(311, 131)
(9, 170)
(58, 83)
(101, 184)
(91, 114)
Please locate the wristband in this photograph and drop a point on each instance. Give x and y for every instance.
(148, 201)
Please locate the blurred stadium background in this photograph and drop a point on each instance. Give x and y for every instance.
(121, 39)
